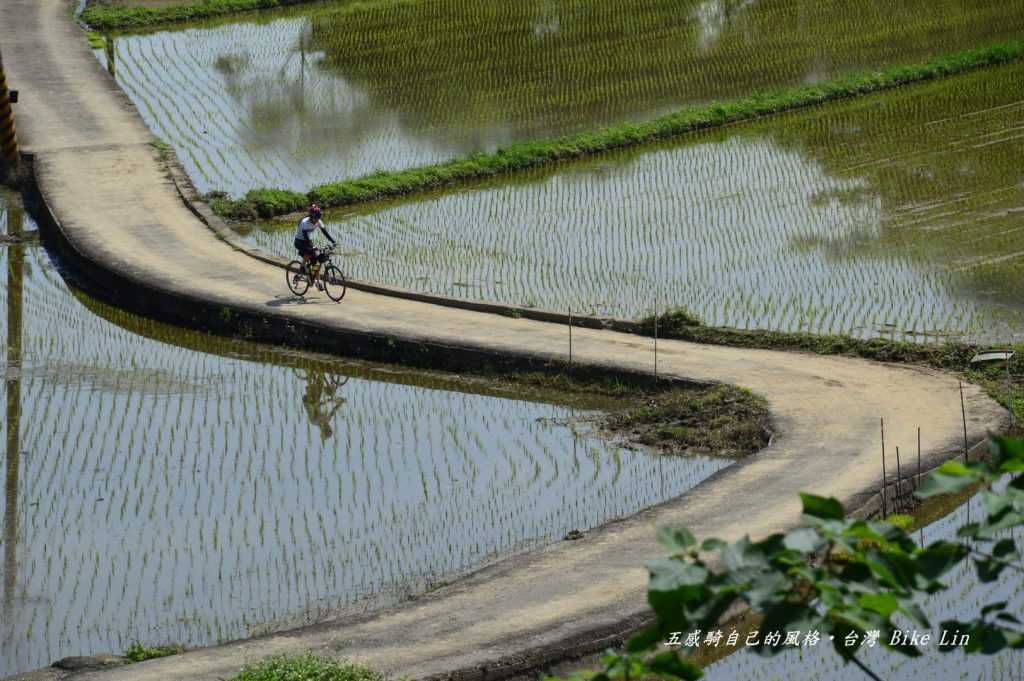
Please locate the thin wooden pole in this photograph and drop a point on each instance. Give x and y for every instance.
(655, 339)
(899, 482)
(918, 486)
(570, 335)
(883, 468)
(963, 414)
(1009, 388)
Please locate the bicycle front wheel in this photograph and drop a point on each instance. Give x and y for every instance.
(334, 283)
(298, 280)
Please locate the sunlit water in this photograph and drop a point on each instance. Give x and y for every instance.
(171, 487)
(314, 94)
(894, 215)
(964, 599)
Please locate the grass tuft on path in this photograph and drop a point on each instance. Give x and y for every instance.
(305, 668)
(139, 653)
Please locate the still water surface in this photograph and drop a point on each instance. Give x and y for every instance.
(894, 215)
(165, 486)
(314, 94)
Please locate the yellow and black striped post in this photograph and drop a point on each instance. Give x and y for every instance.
(9, 154)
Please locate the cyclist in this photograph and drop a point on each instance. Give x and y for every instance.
(304, 234)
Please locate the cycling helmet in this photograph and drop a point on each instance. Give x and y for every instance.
(314, 212)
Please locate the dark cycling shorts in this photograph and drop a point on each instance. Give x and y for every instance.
(305, 247)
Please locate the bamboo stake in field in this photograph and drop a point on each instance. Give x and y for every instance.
(882, 421)
(918, 485)
(898, 500)
(570, 336)
(963, 414)
(1009, 388)
(655, 338)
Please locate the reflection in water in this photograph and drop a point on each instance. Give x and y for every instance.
(322, 400)
(715, 17)
(12, 386)
(201, 489)
(894, 215)
(342, 90)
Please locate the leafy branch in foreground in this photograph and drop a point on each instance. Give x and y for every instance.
(853, 580)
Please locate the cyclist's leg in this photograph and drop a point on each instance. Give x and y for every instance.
(306, 251)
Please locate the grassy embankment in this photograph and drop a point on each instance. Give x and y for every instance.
(948, 356)
(104, 16)
(532, 154)
(719, 420)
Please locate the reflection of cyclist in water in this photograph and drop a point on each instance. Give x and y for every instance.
(321, 399)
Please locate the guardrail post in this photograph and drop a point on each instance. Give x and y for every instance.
(10, 157)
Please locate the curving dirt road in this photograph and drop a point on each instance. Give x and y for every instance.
(114, 205)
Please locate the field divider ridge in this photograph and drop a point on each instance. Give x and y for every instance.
(534, 154)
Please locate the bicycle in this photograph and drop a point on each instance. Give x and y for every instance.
(320, 271)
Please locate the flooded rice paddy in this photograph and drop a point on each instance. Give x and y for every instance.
(315, 94)
(965, 598)
(165, 486)
(894, 215)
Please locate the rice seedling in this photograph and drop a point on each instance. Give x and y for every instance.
(889, 216)
(149, 454)
(321, 93)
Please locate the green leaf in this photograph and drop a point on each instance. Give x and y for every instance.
(915, 614)
(937, 558)
(668, 574)
(988, 570)
(1008, 453)
(942, 481)
(670, 664)
(994, 503)
(744, 554)
(969, 530)
(645, 639)
(992, 607)
(804, 540)
(1005, 548)
(883, 603)
(766, 590)
(822, 507)
(678, 539)
(1005, 520)
(713, 544)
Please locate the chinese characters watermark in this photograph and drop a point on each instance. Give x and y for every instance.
(798, 639)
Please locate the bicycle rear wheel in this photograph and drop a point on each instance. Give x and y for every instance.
(298, 280)
(334, 283)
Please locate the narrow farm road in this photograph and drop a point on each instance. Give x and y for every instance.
(99, 177)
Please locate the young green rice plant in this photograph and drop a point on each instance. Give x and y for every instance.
(869, 217)
(141, 422)
(328, 92)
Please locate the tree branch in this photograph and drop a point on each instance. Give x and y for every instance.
(864, 668)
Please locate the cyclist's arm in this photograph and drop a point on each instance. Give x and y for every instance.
(324, 230)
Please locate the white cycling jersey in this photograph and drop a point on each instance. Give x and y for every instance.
(306, 227)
